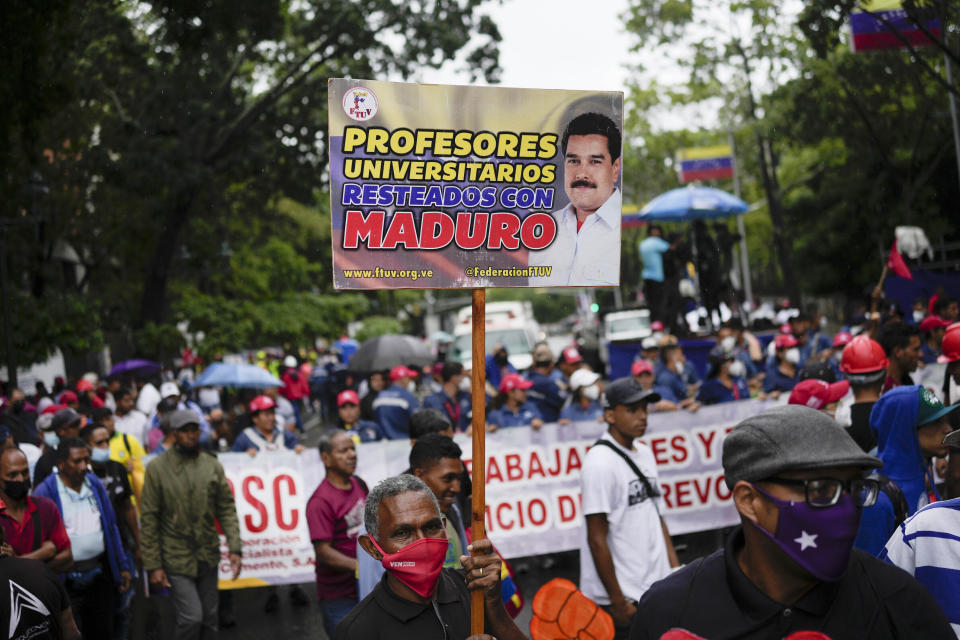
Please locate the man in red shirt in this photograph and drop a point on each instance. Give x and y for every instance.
(295, 388)
(334, 516)
(32, 526)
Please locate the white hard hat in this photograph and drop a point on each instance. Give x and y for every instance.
(583, 378)
(168, 389)
(289, 361)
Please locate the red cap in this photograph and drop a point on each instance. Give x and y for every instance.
(656, 325)
(513, 381)
(84, 385)
(53, 408)
(785, 341)
(570, 355)
(785, 328)
(863, 355)
(817, 394)
(347, 396)
(401, 371)
(641, 366)
(950, 345)
(933, 322)
(68, 397)
(842, 338)
(262, 403)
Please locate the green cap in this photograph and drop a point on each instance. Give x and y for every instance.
(931, 408)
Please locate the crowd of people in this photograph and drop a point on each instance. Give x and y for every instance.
(859, 459)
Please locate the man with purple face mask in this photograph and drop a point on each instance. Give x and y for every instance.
(798, 484)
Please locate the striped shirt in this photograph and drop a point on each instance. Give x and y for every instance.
(927, 546)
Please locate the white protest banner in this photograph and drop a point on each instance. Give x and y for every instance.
(533, 488)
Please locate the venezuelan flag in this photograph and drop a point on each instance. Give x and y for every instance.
(705, 163)
(883, 24)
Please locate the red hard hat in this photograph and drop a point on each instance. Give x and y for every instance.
(842, 338)
(785, 341)
(863, 355)
(261, 403)
(950, 345)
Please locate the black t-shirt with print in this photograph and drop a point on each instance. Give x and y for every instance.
(31, 599)
(113, 475)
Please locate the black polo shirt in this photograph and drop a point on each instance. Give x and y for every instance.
(714, 599)
(385, 615)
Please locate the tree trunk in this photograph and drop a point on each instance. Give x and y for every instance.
(153, 303)
(783, 249)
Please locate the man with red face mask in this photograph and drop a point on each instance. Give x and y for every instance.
(790, 570)
(417, 598)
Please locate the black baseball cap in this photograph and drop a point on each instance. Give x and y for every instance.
(627, 391)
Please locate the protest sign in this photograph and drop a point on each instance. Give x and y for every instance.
(435, 186)
(532, 490)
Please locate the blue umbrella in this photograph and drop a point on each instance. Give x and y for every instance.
(236, 375)
(692, 203)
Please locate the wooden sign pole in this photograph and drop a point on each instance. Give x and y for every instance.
(479, 427)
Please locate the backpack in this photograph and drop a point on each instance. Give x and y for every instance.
(900, 507)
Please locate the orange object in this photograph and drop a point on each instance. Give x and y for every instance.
(561, 612)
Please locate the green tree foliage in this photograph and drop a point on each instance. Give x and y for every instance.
(842, 147)
(184, 140)
(376, 326)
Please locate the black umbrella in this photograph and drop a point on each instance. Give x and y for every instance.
(386, 352)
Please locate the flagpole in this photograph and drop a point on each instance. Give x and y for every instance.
(744, 257)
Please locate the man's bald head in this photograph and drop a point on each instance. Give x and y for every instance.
(11, 458)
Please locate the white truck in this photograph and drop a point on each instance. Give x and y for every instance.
(508, 323)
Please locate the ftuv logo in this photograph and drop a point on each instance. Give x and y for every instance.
(360, 104)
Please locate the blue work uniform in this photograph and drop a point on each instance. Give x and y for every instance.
(575, 413)
(392, 409)
(714, 392)
(366, 431)
(250, 438)
(664, 376)
(775, 380)
(458, 409)
(547, 395)
(495, 373)
(523, 416)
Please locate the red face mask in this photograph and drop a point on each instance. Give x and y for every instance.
(417, 565)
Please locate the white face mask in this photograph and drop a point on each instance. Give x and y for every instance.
(728, 343)
(411, 386)
(591, 393)
(837, 356)
(465, 384)
(918, 316)
(792, 355)
(737, 369)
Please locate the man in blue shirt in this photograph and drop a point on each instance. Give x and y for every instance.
(451, 400)
(652, 249)
(671, 371)
(265, 434)
(545, 392)
(101, 567)
(395, 404)
(514, 410)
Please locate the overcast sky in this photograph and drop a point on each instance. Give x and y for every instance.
(546, 45)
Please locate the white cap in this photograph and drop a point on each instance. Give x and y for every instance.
(583, 378)
(168, 389)
(650, 342)
(289, 361)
